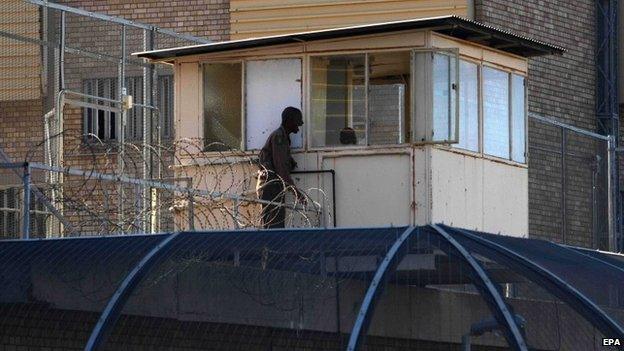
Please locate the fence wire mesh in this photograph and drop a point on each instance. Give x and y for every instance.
(300, 289)
(568, 185)
(74, 72)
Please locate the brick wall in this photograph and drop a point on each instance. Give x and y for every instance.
(204, 18)
(561, 87)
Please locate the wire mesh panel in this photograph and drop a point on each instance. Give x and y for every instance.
(11, 192)
(430, 301)
(65, 74)
(54, 290)
(551, 319)
(568, 185)
(281, 290)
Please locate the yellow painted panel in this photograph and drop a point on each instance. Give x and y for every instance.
(335, 10)
(272, 17)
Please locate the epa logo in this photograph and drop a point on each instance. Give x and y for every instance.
(611, 342)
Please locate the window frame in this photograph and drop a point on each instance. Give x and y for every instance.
(306, 91)
(136, 112)
(243, 62)
(429, 111)
(478, 65)
(366, 53)
(90, 136)
(510, 73)
(242, 106)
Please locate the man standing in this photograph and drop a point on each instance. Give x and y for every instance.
(275, 167)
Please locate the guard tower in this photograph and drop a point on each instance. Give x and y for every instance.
(437, 106)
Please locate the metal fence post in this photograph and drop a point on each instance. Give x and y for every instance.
(191, 211)
(235, 214)
(612, 194)
(121, 130)
(26, 203)
(564, 186)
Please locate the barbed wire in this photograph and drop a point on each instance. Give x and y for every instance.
(104, 187)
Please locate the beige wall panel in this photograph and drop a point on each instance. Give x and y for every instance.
(476, 193)
(505, 199)
(270, 17)
(274, 51)
(456, 186)
(372, 190)
(480, 52)
(413, 39)
(188, 105)
(421, 182)
(505, 60)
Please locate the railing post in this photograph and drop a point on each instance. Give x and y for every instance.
(191, 211)
(26, 202)
(235, 213)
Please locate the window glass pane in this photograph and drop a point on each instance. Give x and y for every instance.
(468, 106)
(443, 97)
(264, 106)
(518, 118)
(338, 100)
(495, 112)
(388, 99)
(222, 105)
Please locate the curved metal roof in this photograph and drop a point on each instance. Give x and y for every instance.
(254, 280)
(453, 26)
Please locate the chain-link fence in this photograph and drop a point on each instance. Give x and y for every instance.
(568, 184)
(71, 91)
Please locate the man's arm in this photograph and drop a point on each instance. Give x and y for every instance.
(281, 159)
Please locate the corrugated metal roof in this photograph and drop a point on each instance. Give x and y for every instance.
(454, 26)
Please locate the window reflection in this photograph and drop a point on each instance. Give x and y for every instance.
(495, 112)
(338, 100)
(468, 106)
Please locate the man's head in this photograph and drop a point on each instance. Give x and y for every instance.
(292, 119)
